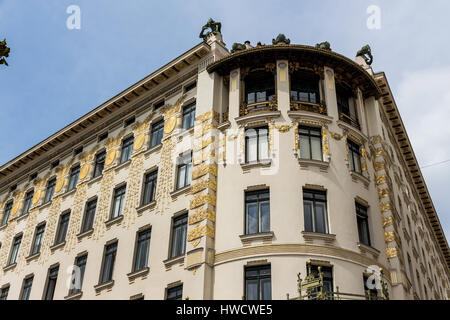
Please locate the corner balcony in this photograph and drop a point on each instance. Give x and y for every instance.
(262, 106)
(309, 106)
(353, 122)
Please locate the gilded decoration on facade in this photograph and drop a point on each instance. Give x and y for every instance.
(50, 228)
(133, 188)
(325, 142)
(76, 217)
(26, 240)
(165, 179)
(103, 204)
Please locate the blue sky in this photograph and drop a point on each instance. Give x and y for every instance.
(56, 75)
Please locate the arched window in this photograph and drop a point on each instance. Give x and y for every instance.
(259, 89)
(305, 87)
(346, 106)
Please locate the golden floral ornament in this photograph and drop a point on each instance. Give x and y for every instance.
(15, 208)
(139, 142)
(170, 124)
(391, 253)
(84, 171)
(59, 184)
(110, 156)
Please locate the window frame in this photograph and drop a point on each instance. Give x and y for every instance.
(258, 142)
(121, 203)
(306, 79)
(7, 209)
(362, 214)
(259, 278)
(35, 237)
(59, 236)
(126, 149)
(354, 149)
(187, 171)
(174, 253)
(177, 288)
(74, 177)
(149, 177)
(100, 159)
(51, 279)
(27, 201)
(309, 135)
(314, 201)
(12, 252)
(104, 261)
(158, 130)
(137, 248)
(261, 85)
(3, 296)
(25, 285)
(263, 196)
(189, 112)
(73, 291)
(86, 215)
(50, 190)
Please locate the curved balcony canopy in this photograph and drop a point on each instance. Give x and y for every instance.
(350, 72)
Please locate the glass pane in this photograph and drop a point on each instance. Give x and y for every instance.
(251, 149)
(188, 174)
(181, 176)
(251, 98)
(265, 216)
(321, 219)
(266, 293)
(316, 148)
(307, 211)
(263, 144)
(252, 218)
(305, 151)
(252, 290)
(261, 96)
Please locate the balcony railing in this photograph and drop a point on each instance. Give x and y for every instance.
(308, 106)
(350, 121)
(269, 105)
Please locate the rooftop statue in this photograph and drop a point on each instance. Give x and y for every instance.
(281, 38)
(324, 45)
(213, 25)
(4, 52)
(237, 47)
(366, 53)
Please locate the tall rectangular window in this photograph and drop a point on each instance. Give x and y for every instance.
(257, 212)
(258, 283)
(184, 171)
(73, 179)
(62, 228)
(4, 293)
(179, 230)
(89, 215)
(78, 275)
(15, 250)
(315, 211)
(354, 157)
(256, 144)
(127, 149)
(327, 273)
(118, 202)
(38, 237)
(7, 213)
(51, 283)
(26, 288)
(50, 190)
(363, 224)
(149, 187)
(175, 293)
(99, 163)
(27, 202)
(142, 250)
(310, 139)
(108, 262)
(157, 133)
(189, 116)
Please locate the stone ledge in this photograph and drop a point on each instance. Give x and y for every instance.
(263, 236)
(95, 179)
(172, 261)
(136, 274)
(58, 246)
(327, 237)
(365, 248)
(254, 116)
(359, 177)
(69, 192)
(306, 115)
(153, 149)
(322, 165)
(102, 286)
(75, 296)
(145, 207)
(23, 216)
(255, 164)
(85, 233)
(179, 192)
(33, 257)
(9, 267)
(116, 220)
(45, 205)
(3, 226)
(224, 125)
(122, 165)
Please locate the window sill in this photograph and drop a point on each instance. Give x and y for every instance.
(176, 193)
(116, 220)
(365, 248)
(306, 115)
(353, 130)
(224, 125)
(3, 227)
(250, 165)
(153, 149)
(95, 179)
(136, 274)
(103, 286)
(58, 246)
(263, 236)
(23, 216)
(261, 115)
(85, 234)
(359, 177)
(10, 267)
(146, 207)
(322, 165)
(45, 205)
(33, 257)
(122, 165)
(172, 261)
(75, 296)
(310, 236)
(69, 192)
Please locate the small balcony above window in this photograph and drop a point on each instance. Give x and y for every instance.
(305, 93)
(259, 93)
(308, 106)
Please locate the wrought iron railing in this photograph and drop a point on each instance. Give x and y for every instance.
(308, 106)
(269, 105)
(349, 120)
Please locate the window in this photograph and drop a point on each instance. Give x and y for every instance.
(327, 273)
(99, 164)
(129, 121)
(188, 116)
(371, 293)
(73, 180)
(258, 283)
(127, 149)
(315, 211)
(108, 262)
(347, 110)
(27, 202)
(363, 224)
(259, 88)
(256, 144)
(4, 293)
(354, 156)
(142, 249)
(55, 164)
(149, 187)
(310, 143)
(51, 283)
(257, 212)
(33, 176)
(89, 215)
(103, 136)
(26, 288)
(190, 86)
(179, 228)
(78, 275)
(157, 133)
(158, 104)
(50, 190)
(15, 250)
(77, 151)
(175, 293)
(62, 228)
(305, 87)
(119, 200)
(7, 213)
(184, 170)
(38, 237)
